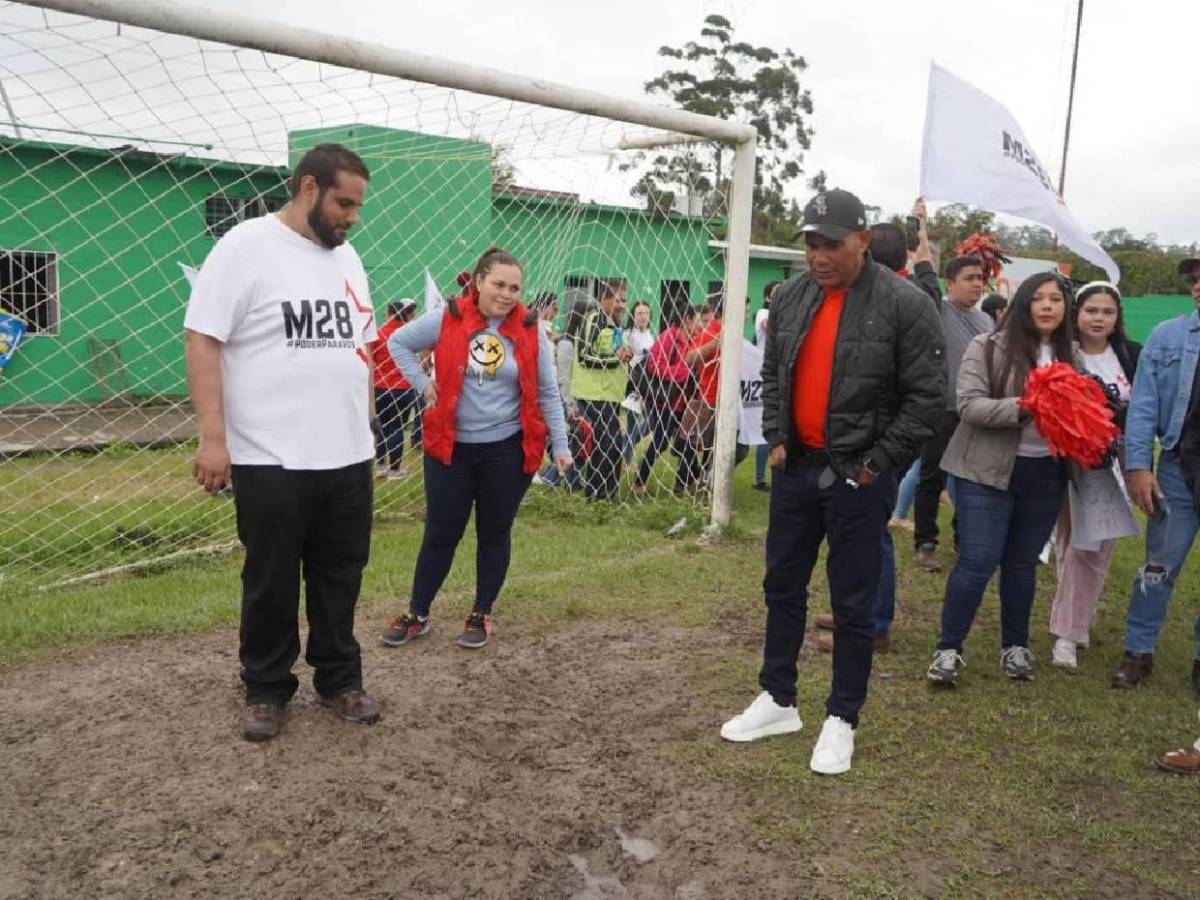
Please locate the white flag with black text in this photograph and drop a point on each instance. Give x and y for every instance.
(976, 153)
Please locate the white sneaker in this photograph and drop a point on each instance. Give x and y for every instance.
(1064, 655)
(762, 718)
(835, 748)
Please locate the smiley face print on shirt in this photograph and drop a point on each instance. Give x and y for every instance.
(485, 356)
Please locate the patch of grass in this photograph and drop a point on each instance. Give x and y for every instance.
(997, 789)
(571, 560)
(80, 513)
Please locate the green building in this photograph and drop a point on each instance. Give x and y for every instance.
(93, 241)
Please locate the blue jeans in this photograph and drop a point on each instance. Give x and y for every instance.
(573, 478)
(395, 408)
(802, 515)
(664, 424)
(1006, 529)
(908, 490)
(636, 428)
(761, 454)
(490, 478)
(1168, 541)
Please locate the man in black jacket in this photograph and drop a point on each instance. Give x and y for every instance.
(853, 381)
(889, 248)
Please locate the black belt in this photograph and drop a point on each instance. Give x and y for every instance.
(806, 456)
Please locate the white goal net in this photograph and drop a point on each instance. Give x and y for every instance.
(126, 153)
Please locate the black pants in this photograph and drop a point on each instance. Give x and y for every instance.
(802, 514)
(932, 481)
(395, 409)
(315, 522)
(664, 428)
(602, 476)
(489, 477)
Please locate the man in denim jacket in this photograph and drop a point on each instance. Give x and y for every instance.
(1163, 393)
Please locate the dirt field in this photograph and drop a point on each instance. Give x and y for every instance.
(561, 765)
(540, 767)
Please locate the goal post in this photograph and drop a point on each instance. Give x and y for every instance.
(167, 99)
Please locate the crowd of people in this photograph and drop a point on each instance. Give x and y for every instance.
(862, 379)
(1009, 490)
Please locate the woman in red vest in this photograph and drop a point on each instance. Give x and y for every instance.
(489, 409)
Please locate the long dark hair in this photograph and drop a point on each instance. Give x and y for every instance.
(1022, 340)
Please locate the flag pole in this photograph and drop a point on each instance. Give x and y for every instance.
(1062, 175)
(1062, 172)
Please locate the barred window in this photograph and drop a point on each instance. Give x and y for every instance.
(29, 288)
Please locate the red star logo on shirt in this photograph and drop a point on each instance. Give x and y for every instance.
(370, 320)
(354, 298)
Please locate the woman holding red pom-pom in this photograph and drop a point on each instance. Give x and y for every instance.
(1009, 487)
(1109, 355)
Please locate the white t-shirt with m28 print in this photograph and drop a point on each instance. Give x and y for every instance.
(294, 319)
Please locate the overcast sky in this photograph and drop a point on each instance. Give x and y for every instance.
(1134, 143)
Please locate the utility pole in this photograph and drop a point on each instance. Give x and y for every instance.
(1062, 175)
(1062, 172)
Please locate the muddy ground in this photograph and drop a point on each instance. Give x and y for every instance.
(559, 765)
(517, 771)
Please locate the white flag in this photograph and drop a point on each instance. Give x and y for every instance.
(433, 297)
(189, 273)
(750, 408)
(975, 152)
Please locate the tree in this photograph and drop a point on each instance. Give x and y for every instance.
(1024, 238)
(718, 76)
(952, 223)
(1122, 239)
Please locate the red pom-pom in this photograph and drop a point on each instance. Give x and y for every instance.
(986, 247)
(1071, 412)
(463, 278)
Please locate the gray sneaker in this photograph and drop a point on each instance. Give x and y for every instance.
(476, 632)
(926, 558)
(405, 628)
(1017, 663)
(944, 669)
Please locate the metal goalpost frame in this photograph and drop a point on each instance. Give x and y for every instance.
(193, 20)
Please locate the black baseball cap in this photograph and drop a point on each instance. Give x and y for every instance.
(834, 214)
(1185, 265)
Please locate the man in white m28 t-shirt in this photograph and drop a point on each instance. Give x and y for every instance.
(277, 334)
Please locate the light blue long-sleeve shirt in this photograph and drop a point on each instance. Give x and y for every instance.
(1162, 389)
(489, 408)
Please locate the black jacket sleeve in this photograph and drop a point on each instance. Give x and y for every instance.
(920, 380)
(770, 379)
(924, 276)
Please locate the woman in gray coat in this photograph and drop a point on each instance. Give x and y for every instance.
(1009, 487)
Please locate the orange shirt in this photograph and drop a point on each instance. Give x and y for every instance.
(710, 370)
(814, 372)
